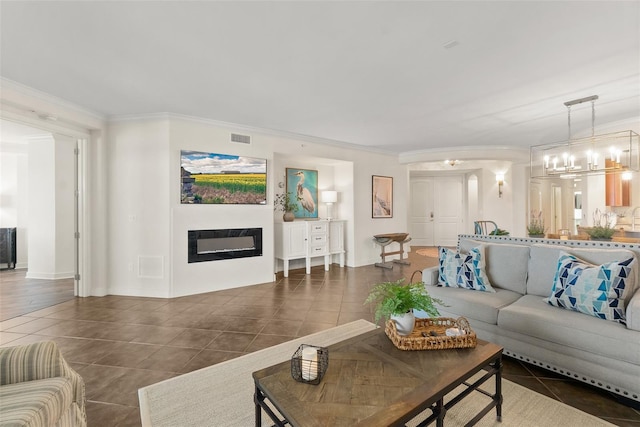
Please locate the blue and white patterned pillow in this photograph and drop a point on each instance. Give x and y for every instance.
(597, 290)
(448, 264)
(463, 270)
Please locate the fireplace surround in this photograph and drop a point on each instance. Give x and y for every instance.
(222, 244)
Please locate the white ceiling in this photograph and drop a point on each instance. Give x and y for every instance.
(376, 74)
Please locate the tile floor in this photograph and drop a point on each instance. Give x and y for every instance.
(119, 344)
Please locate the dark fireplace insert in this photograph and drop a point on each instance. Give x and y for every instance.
(228, 243)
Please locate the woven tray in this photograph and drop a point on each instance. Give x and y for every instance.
(419, 341)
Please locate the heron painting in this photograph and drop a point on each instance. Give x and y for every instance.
(303, 185)
(382, 197)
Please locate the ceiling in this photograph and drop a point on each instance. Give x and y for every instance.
(398, 77)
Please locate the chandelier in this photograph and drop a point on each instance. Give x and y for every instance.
(597, 154)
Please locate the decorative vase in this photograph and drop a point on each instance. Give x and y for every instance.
(404, 322)
(288, 216)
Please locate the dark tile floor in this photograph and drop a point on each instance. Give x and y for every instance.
(119, 344)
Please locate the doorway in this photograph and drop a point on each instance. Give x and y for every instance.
(436, 209)
(55, 258)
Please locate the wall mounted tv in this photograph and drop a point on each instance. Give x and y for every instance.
(212, 178)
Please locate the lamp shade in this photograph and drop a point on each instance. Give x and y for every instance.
(329, 196)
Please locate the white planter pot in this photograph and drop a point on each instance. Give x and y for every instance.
(404, 322)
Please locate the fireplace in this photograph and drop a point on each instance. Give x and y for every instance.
(228, 243)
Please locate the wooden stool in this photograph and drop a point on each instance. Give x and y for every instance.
(386, 239)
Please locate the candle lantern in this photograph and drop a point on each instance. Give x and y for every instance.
(309, 364)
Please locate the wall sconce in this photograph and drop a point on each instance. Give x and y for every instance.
(500, 181)
(329, 197)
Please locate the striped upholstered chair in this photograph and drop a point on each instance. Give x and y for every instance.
(39, 388)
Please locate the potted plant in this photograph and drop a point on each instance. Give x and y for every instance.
(603, 223)
(286, 203)
(536, 225)
(396, 301)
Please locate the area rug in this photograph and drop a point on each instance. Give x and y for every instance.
(431, 252)
(222, 395)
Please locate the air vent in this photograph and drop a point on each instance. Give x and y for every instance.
(242, 139)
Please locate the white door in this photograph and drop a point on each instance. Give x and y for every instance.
(448, 202)
(422, 212)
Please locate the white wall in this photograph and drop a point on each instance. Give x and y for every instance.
(148, 223)
(51, 207)
(41, 193)
(139, 208)
(209, 276)
(495, 208)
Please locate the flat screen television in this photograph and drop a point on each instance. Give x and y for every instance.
(222, 179)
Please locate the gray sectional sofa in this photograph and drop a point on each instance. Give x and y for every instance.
(521, 270)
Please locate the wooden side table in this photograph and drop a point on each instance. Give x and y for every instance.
(386, 239)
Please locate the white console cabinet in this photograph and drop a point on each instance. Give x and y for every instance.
(308, 239)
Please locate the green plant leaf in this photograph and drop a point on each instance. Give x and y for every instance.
(393, 298)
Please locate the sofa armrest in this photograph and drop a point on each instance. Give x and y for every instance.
(633, 312)
(430, 276)
(39, 361)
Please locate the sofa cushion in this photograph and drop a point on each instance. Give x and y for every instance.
(532, 316)
(505, 264)
(35, 403)
(544, 260)
(481, 306)
(596, 290)
(464, 270)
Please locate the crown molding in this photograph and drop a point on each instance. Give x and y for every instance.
(480, 152)
(11, 87)
(248, 128)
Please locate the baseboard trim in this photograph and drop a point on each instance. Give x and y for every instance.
(49, 276)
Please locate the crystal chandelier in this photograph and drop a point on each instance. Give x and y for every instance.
(597, 154)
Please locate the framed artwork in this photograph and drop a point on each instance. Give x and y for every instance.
(382, 197)
(302, 186)
(220, 179)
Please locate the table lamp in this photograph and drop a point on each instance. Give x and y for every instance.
(329, 197)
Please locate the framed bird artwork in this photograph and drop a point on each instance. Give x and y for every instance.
(382, 197)
(302, 186)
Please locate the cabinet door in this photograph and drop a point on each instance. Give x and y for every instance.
(336, 237)
(295, 243)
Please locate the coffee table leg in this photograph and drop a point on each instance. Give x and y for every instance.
(498, 396)
(256, 398)
(440, 411)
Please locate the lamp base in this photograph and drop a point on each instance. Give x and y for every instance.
(330, 211)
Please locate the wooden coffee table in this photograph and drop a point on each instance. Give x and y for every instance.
(370, 382)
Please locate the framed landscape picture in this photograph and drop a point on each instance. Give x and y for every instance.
(382, 197)
(222, 179)
(302, 186)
